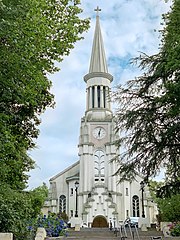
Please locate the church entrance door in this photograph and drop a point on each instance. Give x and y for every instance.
(99, 222)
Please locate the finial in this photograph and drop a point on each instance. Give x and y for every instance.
(97, 10)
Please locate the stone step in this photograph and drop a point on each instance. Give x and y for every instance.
(106, 234)
(91, 232)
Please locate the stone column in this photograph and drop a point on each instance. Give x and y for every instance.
(101, 97)
(106, 97)
(90, 97)
(95, 97)
(109, 90)
(87, 98)
(85, 172)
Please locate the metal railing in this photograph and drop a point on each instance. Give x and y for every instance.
(124, 230)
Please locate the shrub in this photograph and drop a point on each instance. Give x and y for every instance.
(53, 224)
(175, 229)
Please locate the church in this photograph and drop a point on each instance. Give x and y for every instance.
(87, 191)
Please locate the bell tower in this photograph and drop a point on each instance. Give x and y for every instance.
(88, 191)
(98, 187)
(98, 79)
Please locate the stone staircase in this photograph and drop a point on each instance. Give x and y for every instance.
(92, 234)
(105, 233)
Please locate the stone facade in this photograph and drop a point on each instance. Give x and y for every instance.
(100, 199)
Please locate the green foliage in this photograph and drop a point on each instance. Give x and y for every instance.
(15, 209)
(148, 112)
(168, 189)
(175, 229)
(18, 207)
(34, 35)
(168, 206)
(153, 187)
(38, 197)
(53, 224)
(64, 216)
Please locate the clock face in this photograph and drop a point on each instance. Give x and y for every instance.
(99, 133)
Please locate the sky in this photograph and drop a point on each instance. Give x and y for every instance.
(128, 28)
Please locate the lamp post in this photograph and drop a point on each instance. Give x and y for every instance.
(76, 188)
(142, 184)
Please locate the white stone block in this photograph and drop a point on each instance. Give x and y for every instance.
(6, 236)
(40, 234)
(166, 231)
(144, 221)
(77, 227)
(164, 224)
(143, 227)
(75, 220)
(39, 238)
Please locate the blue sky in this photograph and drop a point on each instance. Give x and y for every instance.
(128, 27)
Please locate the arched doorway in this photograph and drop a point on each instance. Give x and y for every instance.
(99, 222)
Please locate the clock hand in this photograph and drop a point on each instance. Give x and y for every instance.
(99, 133)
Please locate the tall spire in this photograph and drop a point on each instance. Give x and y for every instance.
(98, 80)
(98, 59)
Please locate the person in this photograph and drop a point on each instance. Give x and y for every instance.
(110, 225)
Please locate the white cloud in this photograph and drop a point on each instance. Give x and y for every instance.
(127, 28)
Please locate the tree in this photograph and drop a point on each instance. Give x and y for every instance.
(38, 197)
(17, 208)
(168, 206)
(149, 111)
(34, 34)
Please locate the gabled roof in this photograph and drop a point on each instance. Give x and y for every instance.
(64, 171)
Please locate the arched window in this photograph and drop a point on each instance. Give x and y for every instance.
(99, 165)
(135, 202)
(62, 204)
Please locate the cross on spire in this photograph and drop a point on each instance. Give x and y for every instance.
(97, 10)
